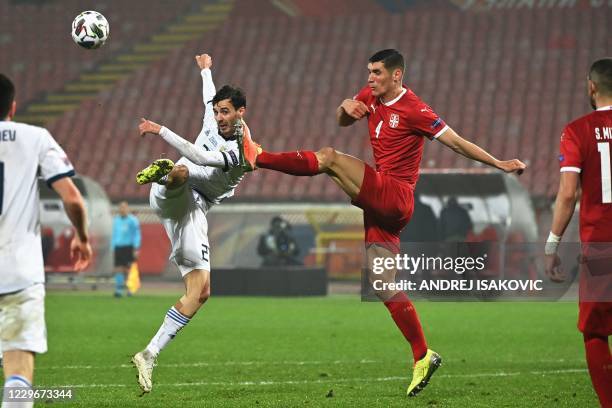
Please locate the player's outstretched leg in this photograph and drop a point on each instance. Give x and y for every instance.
(155, 171)
(404, 314)
(197, 283)
(345, 170)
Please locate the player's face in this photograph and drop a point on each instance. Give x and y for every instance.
(382, 81)
(123, 209)
(226, 115)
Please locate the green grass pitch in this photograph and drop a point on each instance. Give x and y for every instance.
(314, 352)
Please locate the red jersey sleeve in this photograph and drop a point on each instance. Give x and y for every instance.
(570, 157)
(426, 122)
(363, 95)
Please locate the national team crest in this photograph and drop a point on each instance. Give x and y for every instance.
(394, 120)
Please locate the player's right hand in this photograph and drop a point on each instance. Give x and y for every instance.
(355, 109)
(204, 61)
(80, 253)
(511, 166)
(148, 126)
(552, 267)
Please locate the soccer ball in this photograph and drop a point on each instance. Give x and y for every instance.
(90, 29)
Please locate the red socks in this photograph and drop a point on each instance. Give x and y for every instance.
(298, 163)
(407, 321)
(600, 367)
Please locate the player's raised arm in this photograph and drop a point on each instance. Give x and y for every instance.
(80, 249)
(196, 154)
(204, 62)
(472, 151)
(350, 111)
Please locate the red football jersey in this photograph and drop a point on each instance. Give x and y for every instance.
(397, 130)
(586, 145)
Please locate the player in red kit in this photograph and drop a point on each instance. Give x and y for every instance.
(586, 145)
(398, 123)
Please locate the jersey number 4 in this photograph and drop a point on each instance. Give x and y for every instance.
(606, 172)
(378, 128)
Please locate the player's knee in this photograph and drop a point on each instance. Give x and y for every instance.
(199, 293)
(327, 157)
(204, 294)
(373, 278)
(379, 283)
(179, 171)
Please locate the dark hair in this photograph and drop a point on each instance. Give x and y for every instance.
(7, 96)
(601, 74)
(235, 95)
(390, 58)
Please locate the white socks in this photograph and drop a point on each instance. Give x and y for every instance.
(17, 385)
(173, 322)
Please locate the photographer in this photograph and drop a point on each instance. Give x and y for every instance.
(277, 246)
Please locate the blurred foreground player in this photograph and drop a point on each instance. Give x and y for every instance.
(23, 150)
(586, 145)
(182, 194)
(398, 123)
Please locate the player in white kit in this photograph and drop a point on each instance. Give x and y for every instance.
(25, 149)
(182, 194)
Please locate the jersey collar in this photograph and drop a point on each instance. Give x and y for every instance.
(603, 108)
(397, 98)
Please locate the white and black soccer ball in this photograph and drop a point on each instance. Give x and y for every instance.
(90, 29)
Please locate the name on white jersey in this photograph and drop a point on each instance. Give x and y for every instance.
(8, 135)
(604, 133)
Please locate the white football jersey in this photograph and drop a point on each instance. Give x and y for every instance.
(23, 150)
(214, 183)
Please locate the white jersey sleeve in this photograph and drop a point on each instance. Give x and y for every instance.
(54, 163)
(207, 136)
(196, 154)
(208, 93)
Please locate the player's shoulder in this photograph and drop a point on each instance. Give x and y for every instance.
(411, 103)
(411, 99)
(25, 133)
(579, 123)
(38, 130)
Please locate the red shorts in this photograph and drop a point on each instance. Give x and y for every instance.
(595, 318)
(387, 205)
(595, 294)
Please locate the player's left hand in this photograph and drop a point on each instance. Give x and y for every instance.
(204, 61)
(147, 126)
(552, 267)
(80, 253)
(511, 166)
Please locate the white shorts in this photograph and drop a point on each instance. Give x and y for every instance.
(183, 215)
(22, 320)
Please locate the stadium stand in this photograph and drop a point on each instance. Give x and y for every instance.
(507, 79)
(60, 60)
